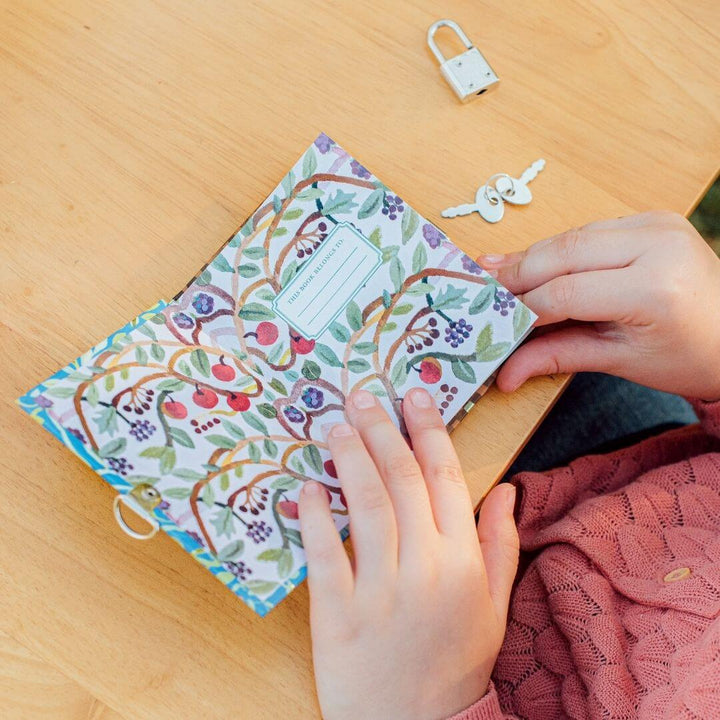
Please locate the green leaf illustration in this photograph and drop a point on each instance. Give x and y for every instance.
(112, 448)
(261, 587)
(256, 312)
(179, 493)
(462, 370)
(276, 385)
(157, 352)
(403, 309)
(288, 183)
(399, 372)
(450, 298)
(372, 204)
(420, 288)
(224, 482)
(375, 237)
(286, 276)
(254, 252)
(270, 555)
(265, 294)
(327, 355)
(354, 316)
(409, 224)
(106, 420)
(248, 270)
(256, 423)
(167, 460)
(521, 321)
(109, 382)
(284, 482)
(482, 300)
(254, 452)
(494, 352)
(267, 410)
(339, 332)
(232, 429)
(285, 563)
(231, 551)
(199, 360)
(293, 214)
(358, 365)
(311, 455)
(208, 495)
(141, 355)
(147, 331)
(339, 203)
(181, 437)
(309, 165)
(311, 370)
(223, 522)
(389, 252)
(188, 474)
(484, 339)
(310, 193)
(154, 452)
(221, 264)
(221, 441)
(270, 448)
(388, 327)
(293, 536)
(387, 300)
(92, 395)
(365, 348)
(280, 231)
(419, 259)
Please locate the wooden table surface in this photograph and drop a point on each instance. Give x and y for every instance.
(136, 136)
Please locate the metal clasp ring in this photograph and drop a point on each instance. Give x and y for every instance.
(130, 502)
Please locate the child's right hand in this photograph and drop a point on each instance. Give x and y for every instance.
(637, 297)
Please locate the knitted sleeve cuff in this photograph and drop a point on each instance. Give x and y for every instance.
(486, 708)
(709, 414)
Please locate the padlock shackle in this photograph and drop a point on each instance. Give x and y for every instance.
(454, 27)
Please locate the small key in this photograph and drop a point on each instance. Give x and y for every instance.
(488, 203)
(515, 190)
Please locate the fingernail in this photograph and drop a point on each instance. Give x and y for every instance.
(362, 399)
(311, 488)
(420, 398)
(510, 498)
(341, 430)
(491, 259)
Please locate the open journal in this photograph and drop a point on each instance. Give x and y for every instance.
(205, 413)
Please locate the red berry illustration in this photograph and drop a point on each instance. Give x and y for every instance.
(205, 398)
(174, 409)
(223, 372)
(329, 466)
(430, 370)
(288, 509)
(266, 333)
(301, 345)
(239, 402)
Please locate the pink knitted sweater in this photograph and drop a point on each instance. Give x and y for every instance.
(617, 614)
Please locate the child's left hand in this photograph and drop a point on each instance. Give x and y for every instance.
(412, 628)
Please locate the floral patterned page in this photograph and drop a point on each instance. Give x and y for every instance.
(209, 411)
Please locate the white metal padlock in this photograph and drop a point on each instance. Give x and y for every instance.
(468, 74)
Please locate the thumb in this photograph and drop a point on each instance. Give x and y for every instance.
(499, 544)
(568, 350)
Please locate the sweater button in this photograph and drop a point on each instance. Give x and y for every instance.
(681, 573)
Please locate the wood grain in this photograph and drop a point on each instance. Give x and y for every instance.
(137, 136)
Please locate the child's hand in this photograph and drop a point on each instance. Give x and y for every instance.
(647, 290)
(411, 629)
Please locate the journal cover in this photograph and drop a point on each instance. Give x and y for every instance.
(208, 410)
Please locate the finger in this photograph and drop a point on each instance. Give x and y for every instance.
(574, 251)
(329, 574)
(397, 466)
(568, 350)
(597, 296)
(372, 522)
(499, 544)
(434, 451)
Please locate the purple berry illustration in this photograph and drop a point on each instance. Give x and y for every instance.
(183, 321)
(457, 332)
(203, 303)
(76, 433)
(120, 465)
(258, 531)
(433, 237)
(470, 265)
(293, 414)
(504, 301)
(43, 402)
(359, 170)
(141, 429)
(239, 569)
(392, 206)
(312, 397)
(323, 143)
